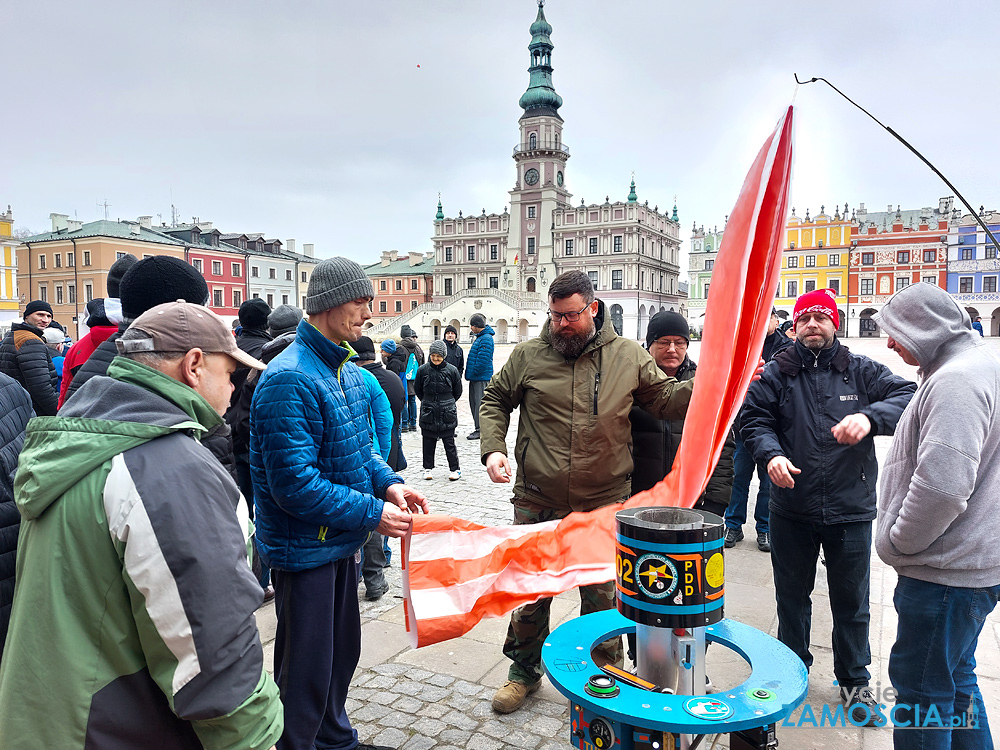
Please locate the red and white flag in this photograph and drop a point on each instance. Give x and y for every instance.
(456, 572)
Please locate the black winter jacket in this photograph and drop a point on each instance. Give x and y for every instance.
(97, 363)
(654, 445)
(241, 412)
(455, 356)
(25, 357)
(774, 344)
(15, 411)
(252, 341)
(438, 387)
(790, 412)
(395, 391)
(397, 361)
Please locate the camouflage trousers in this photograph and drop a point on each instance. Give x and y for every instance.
(529, 625)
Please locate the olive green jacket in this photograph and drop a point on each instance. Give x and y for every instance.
(574, 438)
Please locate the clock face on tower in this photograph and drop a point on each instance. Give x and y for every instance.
(559, 179)
(531, 176)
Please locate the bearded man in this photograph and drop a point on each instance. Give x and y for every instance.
(575, 385)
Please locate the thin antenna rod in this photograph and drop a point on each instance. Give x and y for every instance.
(916, 153)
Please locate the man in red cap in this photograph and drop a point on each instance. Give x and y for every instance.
(811, 420)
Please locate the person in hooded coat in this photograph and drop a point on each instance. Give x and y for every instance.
(102, 327)
(455, 354)
(438, 386)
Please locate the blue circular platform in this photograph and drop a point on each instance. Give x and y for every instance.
(777, 685)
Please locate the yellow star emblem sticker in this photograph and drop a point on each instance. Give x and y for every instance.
(653, 573)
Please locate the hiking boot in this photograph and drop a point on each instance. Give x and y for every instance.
(853, 702)
(455, 475)
(373, 595)
(511, 696)
(763, 541)
(428, 474)
(474, 435)
(733, 536)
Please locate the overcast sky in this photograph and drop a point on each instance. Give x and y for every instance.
(338, 123)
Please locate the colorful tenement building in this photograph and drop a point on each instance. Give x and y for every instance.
(401, 283)
(973, 268)
(8, 269)
(701, 261)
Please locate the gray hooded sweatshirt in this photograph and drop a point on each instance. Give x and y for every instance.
(939, 501)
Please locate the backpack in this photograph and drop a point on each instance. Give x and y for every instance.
(411, 367)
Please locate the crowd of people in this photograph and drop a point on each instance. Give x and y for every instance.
(164, 476)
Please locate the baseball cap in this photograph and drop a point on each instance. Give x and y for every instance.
(181, 326)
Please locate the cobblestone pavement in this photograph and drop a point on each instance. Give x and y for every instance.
(439, 696)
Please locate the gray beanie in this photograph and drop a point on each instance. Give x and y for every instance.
(336, 281)
(283, 319)
(439, 347)
(478, 320)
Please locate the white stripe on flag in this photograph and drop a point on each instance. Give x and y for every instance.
(470, 545)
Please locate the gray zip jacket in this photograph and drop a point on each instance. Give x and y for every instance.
(939, 501)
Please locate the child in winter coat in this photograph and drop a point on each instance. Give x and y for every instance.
(438, 386)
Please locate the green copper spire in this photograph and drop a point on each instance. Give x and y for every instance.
(440, 213)
(632, 197)
(541, 97)
(674, 217)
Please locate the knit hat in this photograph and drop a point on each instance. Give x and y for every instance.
(451, 329)
(439, 347)
(117, 272)
(254, 313)
(821, 301)
(96, 315)
(388, 346)
(37, 305)
(157, 280)
(365, 348)
(667, 323)
(478, 320)
(283, 319)
(335, 281)
(407, 333)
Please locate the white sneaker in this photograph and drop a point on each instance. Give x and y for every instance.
(455, 475)
(428, 474)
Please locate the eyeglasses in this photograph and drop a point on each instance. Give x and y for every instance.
(570, 317)
(677, 345)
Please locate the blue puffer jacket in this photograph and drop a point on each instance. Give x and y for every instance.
(479, 365)
(317, 479)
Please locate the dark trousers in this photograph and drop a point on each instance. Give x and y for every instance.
(410, 407)
(476, 390)
(430, 445)
(933, 663)
(373, 563)
(736, 512)
(795, 549)
(316, 649)
(243, 479)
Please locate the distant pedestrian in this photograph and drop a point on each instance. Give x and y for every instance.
(414, 359)
(103, 319)
(479, 366)
(439, 386)
(977, 325)
(455, 354)
(55, 340)
(24, 357)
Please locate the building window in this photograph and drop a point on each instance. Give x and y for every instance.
(616, 279)
(991, 252)
(531, 212)
(303, 305)
(471, 252)
(810, 285)
(868, 286)
(810, 261)
(930, 256)
(989, 284)
(532, 142)
(868, 259)
(930, 280)
(284, 299)
(270, 300)
(254, 272)
(196, 264)
(272, 273)
(381, 306)
(968, 253)
(305, 277)
(58, 259)
(903, 256)
(71, 292)
(119, 255)
(237, 271)
(381, 285)
(413, 285)
(593, 246)
(793, 261)
(709, 265)
(399, 285)
(593, 278)
(447, 288)
(86, 257)
(217, 268)
(833, 260)
(470, 282)
(494, 282)
(493, 252)
(706, 290)
(902, 282)
(834, 284)
(71, 260)
(288, 274)
(617, 244)
(793, 289)
(41, 262)
(447, 255)
(59, 294)
(237, 298)
(531, 246)
(399, 305)
(965, 285)
(413, 304)
(216, 298)
(43, 293)
(569, 247)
